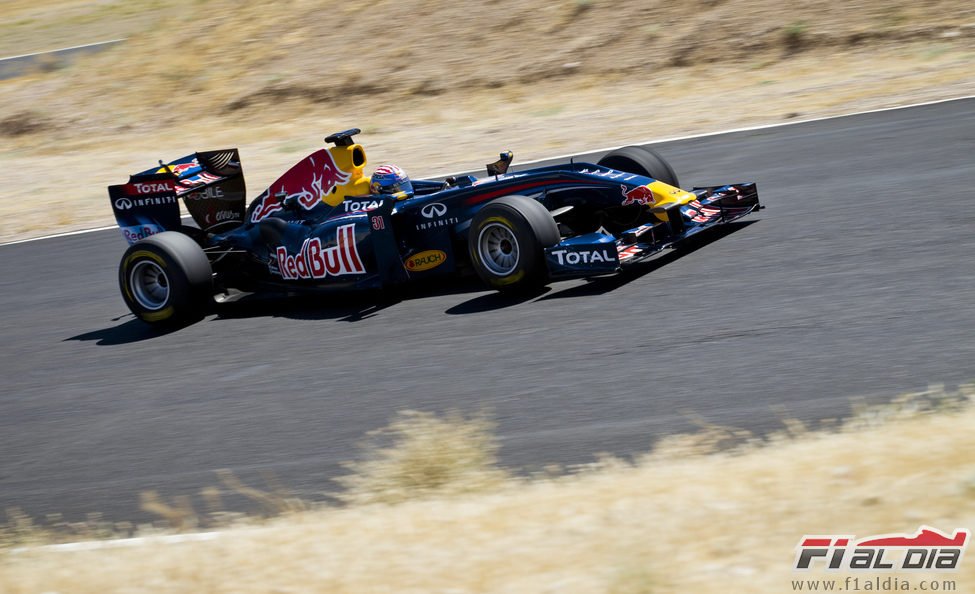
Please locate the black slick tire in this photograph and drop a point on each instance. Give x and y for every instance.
(641, 161)
(165, 279)
(507, 242)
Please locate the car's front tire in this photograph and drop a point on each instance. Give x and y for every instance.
(166, 279)
(641, 161)
(507, 242)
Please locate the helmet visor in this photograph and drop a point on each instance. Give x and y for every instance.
(393, 187)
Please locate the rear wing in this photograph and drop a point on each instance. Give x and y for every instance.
(210, 183)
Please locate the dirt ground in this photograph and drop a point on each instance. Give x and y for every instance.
(435, 86)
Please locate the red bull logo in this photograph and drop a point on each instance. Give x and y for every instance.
(187, 185)
(638, 195)
(134, 234)
(182, 168)
(307, 182)
(314, 261)
(268, 206)
(186, 171)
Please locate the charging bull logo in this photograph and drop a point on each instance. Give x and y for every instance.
(189, 175)
(306, 183)
(179, 169)
(315, 261)
(638, 195)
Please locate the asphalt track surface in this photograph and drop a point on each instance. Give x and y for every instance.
(857, 281)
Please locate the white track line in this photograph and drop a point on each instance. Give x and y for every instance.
(762, 127)
(65, 49)
(68, 234)
(93, 545)
(607, 149)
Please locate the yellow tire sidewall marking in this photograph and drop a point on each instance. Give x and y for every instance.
(153, 316)
(499, 281)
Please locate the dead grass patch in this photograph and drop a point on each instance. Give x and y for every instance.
(420, 455)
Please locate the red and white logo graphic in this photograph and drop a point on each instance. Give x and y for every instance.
(627, 253)
(927, 550)
(638, 195)
(179, 169)
(389, 170)
(314, 261)
(134, 234)
(306, 182)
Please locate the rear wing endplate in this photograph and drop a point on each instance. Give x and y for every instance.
(210, 183)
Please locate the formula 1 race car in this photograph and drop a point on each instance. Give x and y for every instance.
(321, 226)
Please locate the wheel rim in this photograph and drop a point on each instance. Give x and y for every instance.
(498, 249)
(150, 285)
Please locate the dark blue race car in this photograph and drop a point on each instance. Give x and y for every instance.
(325, 225)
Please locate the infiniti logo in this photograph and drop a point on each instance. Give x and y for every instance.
(433, 210)
(123, 204)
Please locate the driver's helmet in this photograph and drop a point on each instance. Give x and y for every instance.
(390, 180)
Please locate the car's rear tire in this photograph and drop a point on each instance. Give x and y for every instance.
(507, 242)
(166, 279)
(641, 161)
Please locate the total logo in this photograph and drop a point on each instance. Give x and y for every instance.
(585, 257)
(927, 550)
(425, 260)
(356, 206)
(315, 261)
(142, 188)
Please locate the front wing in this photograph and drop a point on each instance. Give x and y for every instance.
(601, 253)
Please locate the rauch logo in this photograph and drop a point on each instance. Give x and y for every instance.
(425, 260)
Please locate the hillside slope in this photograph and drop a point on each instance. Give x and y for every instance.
(435, 84)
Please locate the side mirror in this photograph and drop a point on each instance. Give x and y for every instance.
(500, 167)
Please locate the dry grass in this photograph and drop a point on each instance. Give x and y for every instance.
(682, 519)
(420, 455)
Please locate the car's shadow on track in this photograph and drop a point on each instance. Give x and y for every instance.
(606, 284)
(344, 307)
(602, 284)
(131, 331)
(358, 306)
